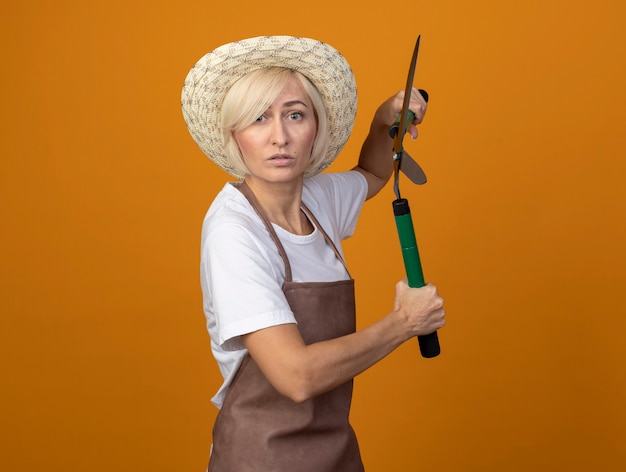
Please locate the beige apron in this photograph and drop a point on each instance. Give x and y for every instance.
(260, 430)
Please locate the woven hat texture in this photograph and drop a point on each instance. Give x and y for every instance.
(213, 75)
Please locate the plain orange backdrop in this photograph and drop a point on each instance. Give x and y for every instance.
(104, 356)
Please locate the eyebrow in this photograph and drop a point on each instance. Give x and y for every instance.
(291, 103)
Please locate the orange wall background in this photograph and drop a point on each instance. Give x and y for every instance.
(105, 359)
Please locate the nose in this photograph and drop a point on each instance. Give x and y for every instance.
(279, 135)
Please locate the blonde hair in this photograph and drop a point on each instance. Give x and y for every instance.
(252, 95)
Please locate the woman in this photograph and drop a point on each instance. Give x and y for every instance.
(279, 302)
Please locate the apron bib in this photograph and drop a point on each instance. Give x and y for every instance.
(260, 430)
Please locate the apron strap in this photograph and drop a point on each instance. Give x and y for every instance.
(311, 217)
(243, 187)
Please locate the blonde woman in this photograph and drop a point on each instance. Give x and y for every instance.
(274, 112)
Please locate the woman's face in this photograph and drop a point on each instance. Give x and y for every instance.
(277, 146)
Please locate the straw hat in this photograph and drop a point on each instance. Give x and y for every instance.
(214, 74)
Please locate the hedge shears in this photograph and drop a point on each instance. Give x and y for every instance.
(429, 344)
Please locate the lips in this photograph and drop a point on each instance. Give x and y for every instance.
(281, 159)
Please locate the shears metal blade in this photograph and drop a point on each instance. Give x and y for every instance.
(402, 161)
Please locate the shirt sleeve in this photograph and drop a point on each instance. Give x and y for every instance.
(341, 195)
(245, 289)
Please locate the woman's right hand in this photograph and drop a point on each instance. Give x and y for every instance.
(420, 310)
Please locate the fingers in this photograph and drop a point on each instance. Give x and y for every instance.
(418, 105)
(436, 302)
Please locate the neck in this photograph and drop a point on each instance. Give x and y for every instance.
(281, 203)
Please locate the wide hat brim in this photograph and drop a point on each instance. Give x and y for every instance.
(214, 74)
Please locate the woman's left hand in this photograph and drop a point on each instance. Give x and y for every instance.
(375, 160)
(389, 111)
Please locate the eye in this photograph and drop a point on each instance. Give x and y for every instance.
(295, 115)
